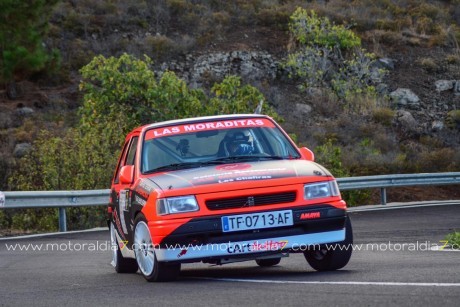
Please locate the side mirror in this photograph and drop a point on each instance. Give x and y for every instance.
(307, 154)
(127, 174)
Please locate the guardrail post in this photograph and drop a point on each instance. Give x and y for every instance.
(383, 196)
(62, 220)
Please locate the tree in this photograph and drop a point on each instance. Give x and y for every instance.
(23, 25)
(123, 93)
(119, 95)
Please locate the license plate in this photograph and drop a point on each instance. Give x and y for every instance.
(257, 220)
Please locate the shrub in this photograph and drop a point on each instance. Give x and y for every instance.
(383, 116)
(275, 15)
(330, 156)
(428, 64)
(453, 239)
(453, 59)
(320, 60)
(437, 160)
(159, 46)
(309, 29)
(79, 54)
(312, 65)
(453, 119)
(35, 219)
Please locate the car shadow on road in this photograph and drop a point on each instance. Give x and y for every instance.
(275, 272)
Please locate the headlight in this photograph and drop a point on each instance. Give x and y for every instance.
(321, 190)
(179, 204)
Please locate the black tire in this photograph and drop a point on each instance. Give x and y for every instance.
(151, 269)
(121, 264)
(326, 259)
(268, 262)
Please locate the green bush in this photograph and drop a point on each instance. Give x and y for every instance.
(453, 240)
(453, 119)
(309, 29)
(384, 116)
(434, 160)
(36, 219)
(276, 15)
(159, 46)
(429, 64)
(330, 156)
(329, 56)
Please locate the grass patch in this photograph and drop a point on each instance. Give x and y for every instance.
(453, 240)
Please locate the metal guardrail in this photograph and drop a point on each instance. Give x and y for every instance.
(63, 199)
(53, 199)
(398, 180)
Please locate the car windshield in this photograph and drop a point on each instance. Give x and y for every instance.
(192, 145)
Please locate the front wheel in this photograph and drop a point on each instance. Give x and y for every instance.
(332, 257)
(145, 255)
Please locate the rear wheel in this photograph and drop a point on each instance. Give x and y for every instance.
(121, 264)
(332, 257)
(145, 255)
(268, 262)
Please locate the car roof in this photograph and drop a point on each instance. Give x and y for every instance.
(197, 119)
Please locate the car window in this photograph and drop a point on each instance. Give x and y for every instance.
(167, 147)
(132, 151)
(128, 156)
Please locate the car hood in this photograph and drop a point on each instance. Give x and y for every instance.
(237, 172)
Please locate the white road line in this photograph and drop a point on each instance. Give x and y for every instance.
(51, 234)
(395, 206)
(353, 283)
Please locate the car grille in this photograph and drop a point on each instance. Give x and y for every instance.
(249, 201)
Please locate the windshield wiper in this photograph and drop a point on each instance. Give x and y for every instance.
(247, 158)
(273, 157)
(223, 160)
(173, 167)
(234, 158)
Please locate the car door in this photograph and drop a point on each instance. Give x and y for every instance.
(121, 192)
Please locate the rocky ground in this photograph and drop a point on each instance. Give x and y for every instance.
(423, 83)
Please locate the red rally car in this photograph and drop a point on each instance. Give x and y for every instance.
(222, 189)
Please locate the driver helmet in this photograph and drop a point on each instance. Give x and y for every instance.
(238, 143)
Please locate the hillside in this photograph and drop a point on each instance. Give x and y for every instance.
(203, 41)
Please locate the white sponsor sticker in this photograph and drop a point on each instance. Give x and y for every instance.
(123, 201)
(2, 199)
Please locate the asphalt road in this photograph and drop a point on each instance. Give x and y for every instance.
(391, 273)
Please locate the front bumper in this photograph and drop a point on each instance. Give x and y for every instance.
(250, 249)
(208, 230)
(203, 239)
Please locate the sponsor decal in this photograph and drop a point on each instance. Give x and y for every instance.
(124, 200)
(232, 167)
(122, 244)
(147, 185)
(181, 129)
(117, 222)
(139, 200)
(244, 175)
(257, 247)
(310, 215)
(182, 252)
(142, 193)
